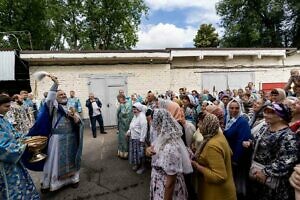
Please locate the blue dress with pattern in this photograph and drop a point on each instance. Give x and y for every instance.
(15, 181)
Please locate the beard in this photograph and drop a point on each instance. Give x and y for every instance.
(63, 101)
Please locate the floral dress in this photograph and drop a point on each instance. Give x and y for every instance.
(17, 116)
(278, 152)
(15, 181)
(167, 162)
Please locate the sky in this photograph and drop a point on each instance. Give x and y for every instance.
(174, 23)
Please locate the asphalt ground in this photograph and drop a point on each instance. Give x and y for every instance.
(103, 175)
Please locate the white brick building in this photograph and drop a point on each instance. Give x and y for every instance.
(105, 72)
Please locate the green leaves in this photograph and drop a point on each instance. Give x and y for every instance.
(72, 24)
(259, 23)
(206, 37)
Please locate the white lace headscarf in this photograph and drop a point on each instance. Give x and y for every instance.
(170, 131)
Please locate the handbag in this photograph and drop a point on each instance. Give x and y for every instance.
(271, 182)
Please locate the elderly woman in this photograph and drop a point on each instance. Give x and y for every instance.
(275, 155)
(177, 113)
(15, 181)
(124, 117)
(189, 107)
(137, 132)
(218, 111)
(213, 161)
(170, 159)
(236, 131)
(256, 116)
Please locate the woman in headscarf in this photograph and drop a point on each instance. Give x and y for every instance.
(236, 131)
(188, 130)
(278, 95)
(170, 159)
(275, 150)
(256, 116)
(178, 114)
(137, 132)
(15, 181)
(124, 117)
(218, 112)
(205, 104)
(213, 161)
(189, 108)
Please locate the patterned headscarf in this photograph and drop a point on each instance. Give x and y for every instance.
(209, 128)
(168, 129)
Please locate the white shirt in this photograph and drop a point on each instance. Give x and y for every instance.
(138, 127)
(96, 109)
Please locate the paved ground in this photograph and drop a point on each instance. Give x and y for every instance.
(103, 175)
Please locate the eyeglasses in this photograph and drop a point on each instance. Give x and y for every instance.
(234, 108)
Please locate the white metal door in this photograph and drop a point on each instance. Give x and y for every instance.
(97, 86)
(107, 89)
(214, 80)
(114, 84)
(223, 81)
(238, 80)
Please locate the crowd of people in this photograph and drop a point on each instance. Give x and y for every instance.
(235, 144)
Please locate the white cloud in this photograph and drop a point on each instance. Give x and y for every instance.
(162, 36)
(202, 17)
(179, 4)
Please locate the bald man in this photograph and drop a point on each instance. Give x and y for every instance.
(94, 105)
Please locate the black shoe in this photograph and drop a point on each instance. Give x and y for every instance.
(44, 191)
(75, 185)
(94, 136)
(104, 132)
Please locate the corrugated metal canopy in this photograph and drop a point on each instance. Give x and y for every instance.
(7, 65)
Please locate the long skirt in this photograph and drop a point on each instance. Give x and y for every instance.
(136, 152)
(158, 183)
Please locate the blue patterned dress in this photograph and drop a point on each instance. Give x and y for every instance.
(15, 181)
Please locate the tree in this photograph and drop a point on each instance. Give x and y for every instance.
(72, 24)
(206, 36)
(113, 24)
(28, 16)
(255, 23)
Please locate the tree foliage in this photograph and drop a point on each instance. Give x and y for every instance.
(72, 24)
(28, 16)
(206, 36)
(259, 23)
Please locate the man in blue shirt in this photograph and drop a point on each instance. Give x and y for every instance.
(74, 102)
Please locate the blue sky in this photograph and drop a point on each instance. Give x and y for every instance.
(174, 23)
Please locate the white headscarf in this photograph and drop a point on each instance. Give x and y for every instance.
(230, 121)
(140, 107)
(170, 131)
